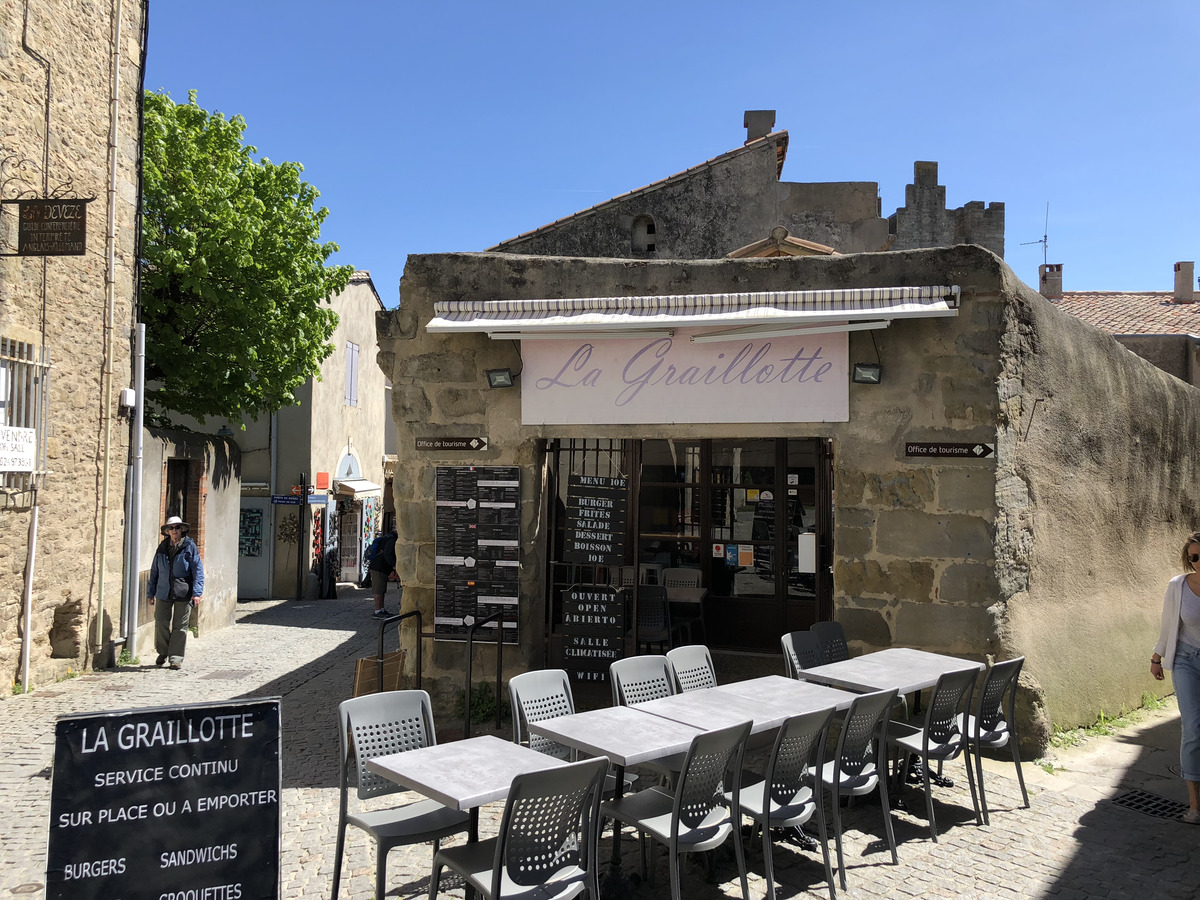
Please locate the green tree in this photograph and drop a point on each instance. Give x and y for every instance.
(235, 289)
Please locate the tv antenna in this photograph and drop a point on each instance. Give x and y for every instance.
(1045, 241)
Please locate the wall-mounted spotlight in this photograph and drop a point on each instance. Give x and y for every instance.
(500, 378)
(867, 373)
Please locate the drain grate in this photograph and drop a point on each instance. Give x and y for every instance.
(1151, 804)
(227, 675)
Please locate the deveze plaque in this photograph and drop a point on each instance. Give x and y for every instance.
(477, 549)
(52, 227)
(170, 803)
(596, 513)
(593, 629)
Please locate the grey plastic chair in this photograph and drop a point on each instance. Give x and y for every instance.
(698, 817)
(378, 725)
(801, 650)
(832, 639)
(546, 846)
(860, 765)
(694, 619)
(994, 724)
(654, 618)
(942, 737)
(692, 668)
(781, 798)
(637, 679)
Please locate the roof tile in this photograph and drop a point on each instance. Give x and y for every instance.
(1128, 312)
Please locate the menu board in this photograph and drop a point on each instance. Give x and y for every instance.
(597, 508)
(167, 802)
(593, 629)
(477, 549)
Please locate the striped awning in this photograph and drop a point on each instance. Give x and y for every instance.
(735, 315)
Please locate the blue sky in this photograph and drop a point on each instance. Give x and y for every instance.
(432, 127)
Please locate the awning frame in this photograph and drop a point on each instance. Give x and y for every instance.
(734, 316)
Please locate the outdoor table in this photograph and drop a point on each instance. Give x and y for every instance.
(897, 667)
(796, 696)
(463, 775)
(627, 736)
(718, 707)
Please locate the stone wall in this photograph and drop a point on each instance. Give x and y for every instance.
(925, 220)
(65, 47)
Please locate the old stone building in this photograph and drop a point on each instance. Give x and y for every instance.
(736, 199)
(70, 74)
(969, 496)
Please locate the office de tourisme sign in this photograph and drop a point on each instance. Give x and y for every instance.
(669, 379)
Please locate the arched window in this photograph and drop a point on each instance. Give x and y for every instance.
(643, 235)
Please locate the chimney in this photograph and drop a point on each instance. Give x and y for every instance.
(1184, 273)
(1050, 281)
(759, 123)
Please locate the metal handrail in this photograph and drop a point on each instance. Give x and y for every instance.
(396, 620)
(471, 626)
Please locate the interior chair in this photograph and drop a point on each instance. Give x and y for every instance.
(801, 650)
(698, 816)
(636, 679)
(859, 765)
(941, 737)
(379, 725)
(994, 724)
(692, 668)
(623, 576)
(654, 618)
(832, 639)
(546, 846)
(782, 797)
(693, 619)
(545, 694)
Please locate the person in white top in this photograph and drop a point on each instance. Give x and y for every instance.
(1178, 650)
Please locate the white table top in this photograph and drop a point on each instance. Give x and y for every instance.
(897, 667)
(462, 774)
(795, 696)
(686, 594)
(711, 708)
(627, 736)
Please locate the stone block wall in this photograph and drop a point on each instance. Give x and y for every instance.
(56, 61)
(925, 220)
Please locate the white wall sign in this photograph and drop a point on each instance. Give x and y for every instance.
(665, 380)
(18, 449)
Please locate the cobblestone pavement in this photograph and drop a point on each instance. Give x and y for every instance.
(1069, 844)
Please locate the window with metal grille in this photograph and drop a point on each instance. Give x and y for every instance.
(351, 373)
(24, 385)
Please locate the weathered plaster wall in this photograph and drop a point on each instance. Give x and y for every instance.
(73, 587)
(1098, 482)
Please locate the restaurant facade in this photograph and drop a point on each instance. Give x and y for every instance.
(913, 443)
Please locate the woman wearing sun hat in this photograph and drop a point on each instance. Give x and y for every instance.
(177, 583)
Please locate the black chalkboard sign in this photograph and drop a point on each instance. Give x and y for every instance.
(597, 508)
(593, 629)
(175, 801)
(477, 550)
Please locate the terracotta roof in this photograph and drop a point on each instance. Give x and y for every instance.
(781, 137)
(1126, 312)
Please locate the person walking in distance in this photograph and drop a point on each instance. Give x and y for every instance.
(380, 567)
(175, 588)
(1178, 650)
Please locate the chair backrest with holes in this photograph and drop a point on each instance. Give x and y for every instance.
(538, 695)
(832, 638)
(692, 667)
(801, 650)
(636, 679)
(381, 724)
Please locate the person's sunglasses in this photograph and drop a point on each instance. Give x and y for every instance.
(180, 528)
(1194, 557)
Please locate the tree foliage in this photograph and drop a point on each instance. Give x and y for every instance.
(235, 290)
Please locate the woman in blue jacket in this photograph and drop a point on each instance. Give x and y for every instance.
(175, 588)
